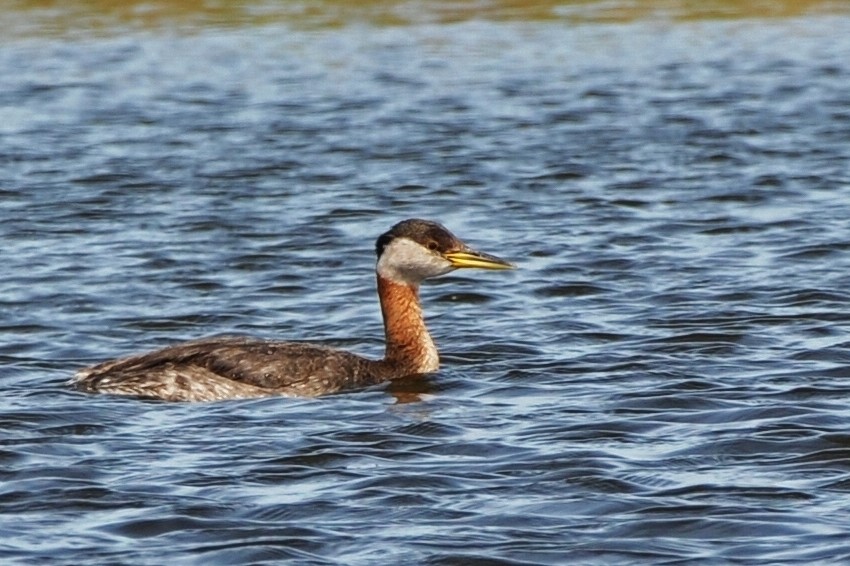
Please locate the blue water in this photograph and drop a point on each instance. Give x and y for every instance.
(665, 379)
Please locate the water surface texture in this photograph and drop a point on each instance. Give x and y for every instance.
(665, 380)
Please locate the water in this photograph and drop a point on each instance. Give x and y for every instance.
(664, 381)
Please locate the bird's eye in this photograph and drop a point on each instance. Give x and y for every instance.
(432, 245)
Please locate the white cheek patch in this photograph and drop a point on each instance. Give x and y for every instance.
(405, 261)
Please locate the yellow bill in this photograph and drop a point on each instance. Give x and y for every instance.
(471, 258)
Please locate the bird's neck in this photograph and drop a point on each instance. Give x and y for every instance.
(410, 349)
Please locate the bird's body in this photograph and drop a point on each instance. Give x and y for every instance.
(232, 367)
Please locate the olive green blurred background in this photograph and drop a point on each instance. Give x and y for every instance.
(55, 18)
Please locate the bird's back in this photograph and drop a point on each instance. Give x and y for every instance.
(231, 367)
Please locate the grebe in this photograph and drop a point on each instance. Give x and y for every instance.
(231, 367)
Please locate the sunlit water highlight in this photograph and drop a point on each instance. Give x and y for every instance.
(664, 380)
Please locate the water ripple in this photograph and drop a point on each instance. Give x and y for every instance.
(664, 379)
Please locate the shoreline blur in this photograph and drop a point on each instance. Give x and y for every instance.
(41, 18)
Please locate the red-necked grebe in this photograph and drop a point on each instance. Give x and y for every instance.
(219, 368)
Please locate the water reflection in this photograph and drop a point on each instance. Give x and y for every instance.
(412, 389)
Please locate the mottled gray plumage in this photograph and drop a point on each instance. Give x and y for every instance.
(233, 367)
(230, 367)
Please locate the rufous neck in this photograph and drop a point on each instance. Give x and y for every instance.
(409, 345)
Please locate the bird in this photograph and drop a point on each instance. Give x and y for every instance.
(237, 367)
